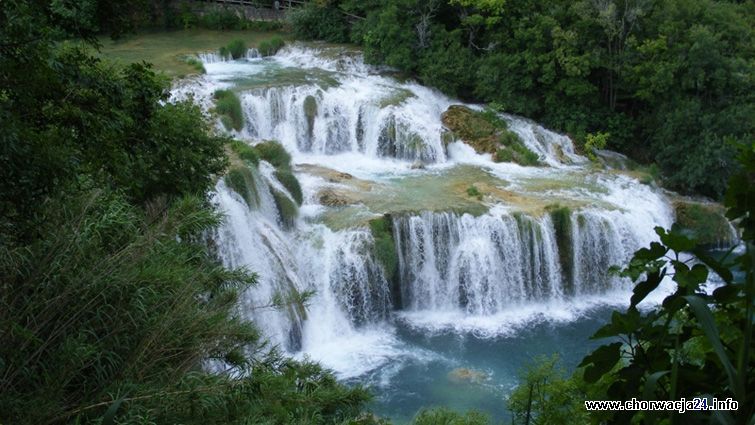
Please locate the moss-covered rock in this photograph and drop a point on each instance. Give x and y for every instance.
(228, 107)
(291, 183)
(287, 209)
(704, 222)
(385, 247)
(561, 217)
(486, 132)
(240, 180)
(244, 152)
(274, 153)
(310, 111)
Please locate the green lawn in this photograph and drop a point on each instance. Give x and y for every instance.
(167, 49)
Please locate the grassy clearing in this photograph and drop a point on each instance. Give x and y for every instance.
(169, 50)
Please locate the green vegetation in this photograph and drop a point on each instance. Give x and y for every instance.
(241, 181)
(286, 208)
(271, 46)
(228, 106)
(196, 64)
(593, 142)
(473, 192)
(561, 217)
(442, 416)
(669, 80)
(289, 181)
(486, 132)
(236, 49)
(321, 21)
(111, 300)
(704, 223)
(310, 111)
(547, 395)
(385, 248)
(244, 151)
(274, 153)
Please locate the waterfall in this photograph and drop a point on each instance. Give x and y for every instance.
(355, 131)
(216, 57)
(349, 287)
(354, 116)
(484, 265)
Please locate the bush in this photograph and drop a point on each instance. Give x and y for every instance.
(228, 106)
(474, 192)
(236, 49)
(271, 46)
(196, 64)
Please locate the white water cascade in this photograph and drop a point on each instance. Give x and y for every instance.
(535, 244)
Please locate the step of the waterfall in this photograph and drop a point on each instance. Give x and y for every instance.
(483, 265)
(354, 116)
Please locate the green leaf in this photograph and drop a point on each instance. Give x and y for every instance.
(601, 361)
(650, 384)
(727, 293)
(715, 265)
(109, 417)
(675, 240)
(642, 289)
(708, 324)
(655, 252)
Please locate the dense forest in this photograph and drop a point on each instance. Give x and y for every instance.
(114, 309)
(668, 82)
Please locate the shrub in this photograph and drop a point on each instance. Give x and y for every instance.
(196, 64)
(236, 48)
(593, 142)
(228, 106)
(474, 192)
(271, 46)
(220, 20)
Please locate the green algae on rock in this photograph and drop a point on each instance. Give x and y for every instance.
(486, 132)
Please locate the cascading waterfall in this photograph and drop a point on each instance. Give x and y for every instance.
(355, 116)
(483, 265)
(216, 57)
(349, 286)
(535, 244)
